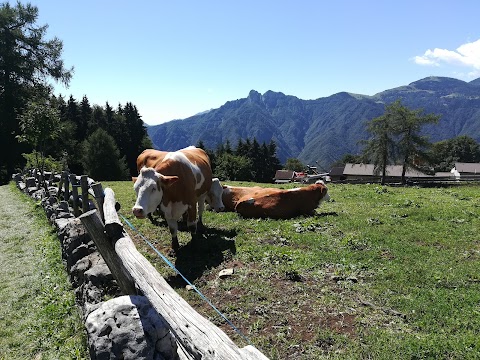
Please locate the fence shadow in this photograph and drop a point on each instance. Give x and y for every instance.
(202, 253)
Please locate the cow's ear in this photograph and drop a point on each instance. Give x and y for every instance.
(167, 181)
(134, 178)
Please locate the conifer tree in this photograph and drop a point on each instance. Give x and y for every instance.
(102, 159)
(27, 60)
(85, 118)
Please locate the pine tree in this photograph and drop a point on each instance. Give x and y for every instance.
(380, 148)
(102, 159)
(27, 60)
(412, 146)
(85, 118)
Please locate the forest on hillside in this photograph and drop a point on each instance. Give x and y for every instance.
(36, 124)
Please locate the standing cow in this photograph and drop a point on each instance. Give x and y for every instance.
(150, 157)
(175, 184)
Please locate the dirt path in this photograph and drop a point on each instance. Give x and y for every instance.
(36, 303)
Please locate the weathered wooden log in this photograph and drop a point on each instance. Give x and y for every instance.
(113, 225)
(73, 181)
(197, 335)
(99, 197)
(95, 229)
(84, 185)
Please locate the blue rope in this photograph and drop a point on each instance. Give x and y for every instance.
(169, 263)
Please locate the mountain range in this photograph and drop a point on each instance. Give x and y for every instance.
(323, 130)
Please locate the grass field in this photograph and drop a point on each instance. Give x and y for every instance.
(378, 273)
(38, 316)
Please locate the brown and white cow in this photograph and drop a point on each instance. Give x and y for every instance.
(150, 157)
(258, 202)
(175, 184)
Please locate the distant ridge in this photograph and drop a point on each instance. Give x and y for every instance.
(324, 129)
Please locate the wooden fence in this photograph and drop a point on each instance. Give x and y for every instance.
(197, 337)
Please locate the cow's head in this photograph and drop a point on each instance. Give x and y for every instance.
(150, 186)
(214, 196)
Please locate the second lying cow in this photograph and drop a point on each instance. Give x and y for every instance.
(258, 202)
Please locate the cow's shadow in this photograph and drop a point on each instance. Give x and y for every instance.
(205, 251)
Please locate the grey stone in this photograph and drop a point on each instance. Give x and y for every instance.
(77, 271)
(127, 328)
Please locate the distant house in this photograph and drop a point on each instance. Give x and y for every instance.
(466, 170)
(336, 173)
(284, 176)
(366, 172)
(447, 175)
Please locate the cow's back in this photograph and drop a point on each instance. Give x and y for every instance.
(149, 158)
(232, 194)
(192, 166)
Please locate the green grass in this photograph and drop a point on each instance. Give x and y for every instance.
(38, 315)
(378, 273)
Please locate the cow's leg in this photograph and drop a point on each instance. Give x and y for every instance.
(173, 227)
(201, 209)
(192, 219)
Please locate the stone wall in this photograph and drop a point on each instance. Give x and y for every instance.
(118, 326)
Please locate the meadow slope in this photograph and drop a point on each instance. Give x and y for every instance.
(377, 273)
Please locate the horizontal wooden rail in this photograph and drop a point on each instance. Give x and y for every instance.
(195, 334)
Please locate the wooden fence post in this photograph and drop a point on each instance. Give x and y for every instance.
(99, 197)
(95, 228)
(74, 182)
(84, 185)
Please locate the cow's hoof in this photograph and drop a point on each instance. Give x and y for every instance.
(175, 245)
(200, 228)
(192, 229)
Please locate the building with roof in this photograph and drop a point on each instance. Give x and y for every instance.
(366, 172)
(284, 176)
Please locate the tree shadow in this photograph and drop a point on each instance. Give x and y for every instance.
(205, 251)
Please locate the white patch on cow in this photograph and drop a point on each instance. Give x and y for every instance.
(294, 189)
(149, 194)
(250, 201)
(197, 173)
(174, 210)
(214, 196)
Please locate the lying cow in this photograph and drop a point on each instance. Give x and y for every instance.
(175, 184)
(258, 202)
(150, 157)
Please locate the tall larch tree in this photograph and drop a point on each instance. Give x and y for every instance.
(27, 60)
(412, 146)
(380, 148)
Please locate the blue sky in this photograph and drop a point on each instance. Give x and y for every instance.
(173, 59)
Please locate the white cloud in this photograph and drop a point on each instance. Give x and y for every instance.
(466, 55)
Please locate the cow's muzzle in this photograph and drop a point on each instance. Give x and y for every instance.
(138, 212)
